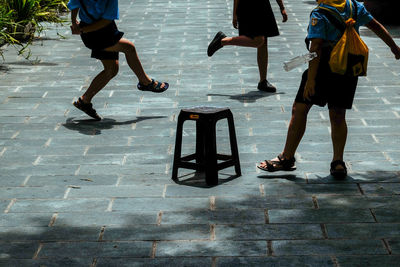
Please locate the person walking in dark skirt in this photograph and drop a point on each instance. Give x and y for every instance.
(100, 34)
(256, 23)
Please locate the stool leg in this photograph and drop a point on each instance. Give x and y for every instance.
(199, 146)
(210, 142)
(178, 148)
(233, 141)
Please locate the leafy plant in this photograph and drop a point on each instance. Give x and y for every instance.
(19, 19)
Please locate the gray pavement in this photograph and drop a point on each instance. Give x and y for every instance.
(74, 192)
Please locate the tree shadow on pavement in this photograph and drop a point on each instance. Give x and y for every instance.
(93, 127)
(250, 97)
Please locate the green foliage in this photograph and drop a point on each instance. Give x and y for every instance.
(19, 19)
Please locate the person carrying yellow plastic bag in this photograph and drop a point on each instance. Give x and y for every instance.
(321, 86)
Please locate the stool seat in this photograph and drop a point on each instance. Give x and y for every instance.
(206, 156)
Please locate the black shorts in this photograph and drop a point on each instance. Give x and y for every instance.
(330, 88)
(98, 40)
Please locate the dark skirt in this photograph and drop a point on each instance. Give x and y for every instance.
(256, 18)
(101, 39)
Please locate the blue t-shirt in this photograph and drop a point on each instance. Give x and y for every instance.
(99, 9)
(321, 28)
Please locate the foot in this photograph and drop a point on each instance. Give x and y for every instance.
(215, 44)
(266, 87)
(153, 86)
(338, 169)
(87, 108)
(278, 164)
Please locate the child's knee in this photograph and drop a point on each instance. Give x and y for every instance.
(129, 47)
(112, 70)
(259, 41)
(337, 116)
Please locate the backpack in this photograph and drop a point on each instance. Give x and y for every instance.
(350, 54)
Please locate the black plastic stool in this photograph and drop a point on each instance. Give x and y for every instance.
(206, 157)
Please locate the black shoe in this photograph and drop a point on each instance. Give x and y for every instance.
(338, 173)
(266, 87)
(215, 44)
(87, 108)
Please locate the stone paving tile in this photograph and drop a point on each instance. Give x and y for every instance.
(320, 216)
(76, 180)
(358, 202)
(158, 232)
(32, 192)
(367, 260)
(47, 262)
(381, 188)
(160, 204)
(215, 248)
(59, 205)
(95, 249)
(270, 202)
(363, 230)
(25, 219)
(329, 247)
(105, 219)
(97, 191)
(275, 261)
(386, 215)
(168, 262)
(268, 232)
(219, 217)
(18, 250)
(49, 233)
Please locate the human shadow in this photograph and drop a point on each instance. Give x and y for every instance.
(250, 97)
(94, 127)
(4, 68)
(290, 177)
(198, 179)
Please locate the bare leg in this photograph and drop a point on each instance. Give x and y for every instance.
(297, 128)
(128, 48)
(262, 60)
(243, 41)
(338, 133)
(101, 80)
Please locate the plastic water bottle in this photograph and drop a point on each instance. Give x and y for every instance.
(298, 61)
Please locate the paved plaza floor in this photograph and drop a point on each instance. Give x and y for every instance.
(75, 192)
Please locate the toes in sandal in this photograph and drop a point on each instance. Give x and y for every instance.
(280, 164)
(338, 173)
(87, 108)
(154, 86)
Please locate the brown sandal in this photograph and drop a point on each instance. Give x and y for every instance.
(278, 165)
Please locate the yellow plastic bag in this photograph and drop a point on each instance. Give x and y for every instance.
(350, 55)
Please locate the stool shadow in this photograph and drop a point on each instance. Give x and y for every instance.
(94, 127)
(198, 179)
(249, 97)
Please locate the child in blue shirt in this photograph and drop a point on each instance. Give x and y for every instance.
(99, 33)
(321, 86)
